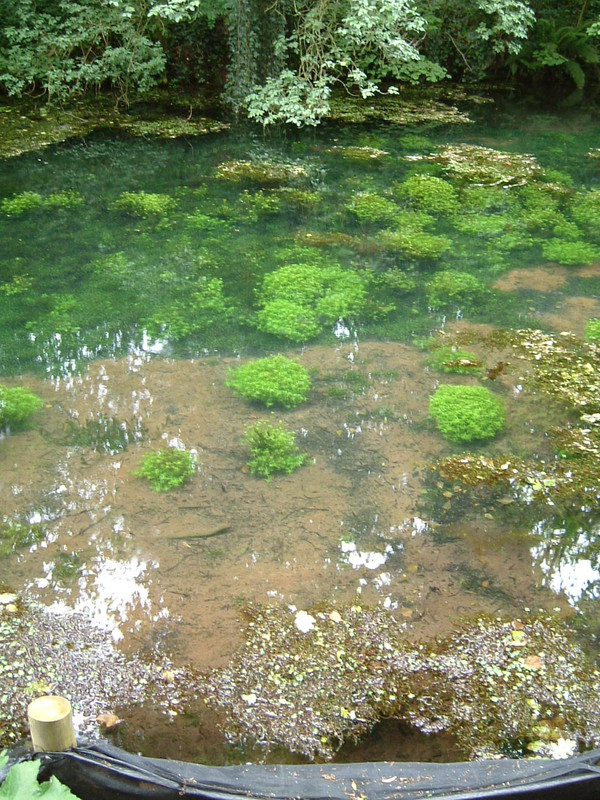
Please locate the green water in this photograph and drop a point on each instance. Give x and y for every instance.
(88, 280)
(347, 247)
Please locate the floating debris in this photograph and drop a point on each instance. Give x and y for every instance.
(172, 127)
(395, 109)
(515, 687)
(311, 689)
(94, 677)
(484, 166)
(511, 687)
(263, 172)
(357, 153)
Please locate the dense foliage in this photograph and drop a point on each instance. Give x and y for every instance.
(284, 59)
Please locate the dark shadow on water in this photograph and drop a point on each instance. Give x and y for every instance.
(394, 740)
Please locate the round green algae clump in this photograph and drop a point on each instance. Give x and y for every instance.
(275, 380)
(17, 404)
(467, 413)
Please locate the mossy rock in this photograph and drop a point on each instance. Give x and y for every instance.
(272, 381)
(467, 413)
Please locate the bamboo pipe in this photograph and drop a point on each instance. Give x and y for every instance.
(51, 724)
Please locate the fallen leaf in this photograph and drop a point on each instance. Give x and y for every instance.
(108, 720)
(535, 662)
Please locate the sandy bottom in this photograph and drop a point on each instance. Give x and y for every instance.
(541, 279)
(352, 522)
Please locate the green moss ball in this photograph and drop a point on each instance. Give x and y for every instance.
(467, 413)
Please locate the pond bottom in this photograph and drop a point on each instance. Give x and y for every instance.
(195, 736)
(394, 740)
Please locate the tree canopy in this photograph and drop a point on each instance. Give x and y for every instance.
(279, 60)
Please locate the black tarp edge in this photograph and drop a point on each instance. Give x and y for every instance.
(102, 771)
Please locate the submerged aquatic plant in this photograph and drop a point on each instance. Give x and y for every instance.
(103, 434)
(201, 307)
(412, 241)
(26, 201)
(570, 252)
(17, 404)
(262, 172)
(569, 370)
(275, 380)
(454, 289)
(302, 199)
(467, 413)
(273, 449)
(15, 535)
(592, 330)
(167, 469)
(256, 205)
(453, 359)
(370, 207)
(144, 204)
(586, 213)
(429, 193)
(300, 298)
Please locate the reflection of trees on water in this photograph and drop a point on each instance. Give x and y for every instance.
(568, 554)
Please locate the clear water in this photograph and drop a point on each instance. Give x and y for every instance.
(80, 288)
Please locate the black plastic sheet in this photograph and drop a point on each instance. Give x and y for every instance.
(102, 771)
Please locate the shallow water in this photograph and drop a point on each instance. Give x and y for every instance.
(364, 516)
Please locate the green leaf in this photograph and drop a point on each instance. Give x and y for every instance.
(21, 782)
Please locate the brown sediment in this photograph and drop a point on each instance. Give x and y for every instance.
(540, 279)
(571, 314)
(143, 567)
